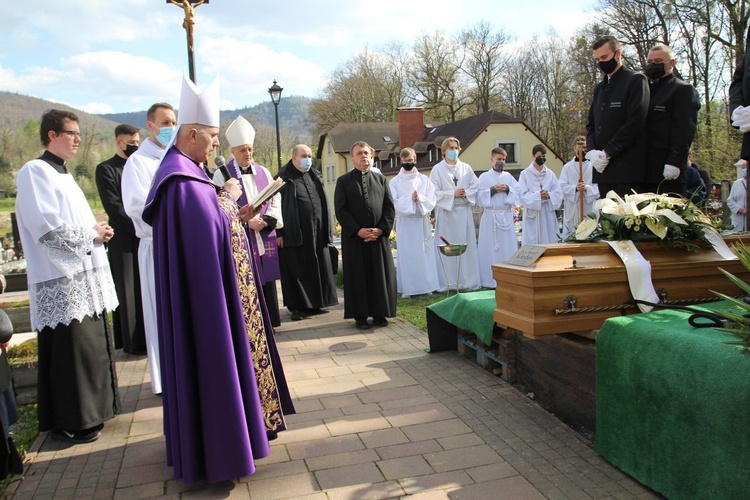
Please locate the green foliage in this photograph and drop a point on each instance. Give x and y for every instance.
(738, 323)
(23, 352)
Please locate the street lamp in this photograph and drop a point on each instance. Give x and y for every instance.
(275, 92)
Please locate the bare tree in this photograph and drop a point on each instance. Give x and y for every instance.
(438, 86)
(484, 62)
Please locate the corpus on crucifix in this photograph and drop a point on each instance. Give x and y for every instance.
(189, 7)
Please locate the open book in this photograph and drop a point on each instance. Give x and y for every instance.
(266, 194)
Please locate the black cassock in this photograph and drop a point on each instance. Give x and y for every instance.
(306, 274)
(122, 251)
(364, 201)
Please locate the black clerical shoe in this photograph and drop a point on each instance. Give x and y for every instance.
(361, 324)
(297, 315)
(379, 321)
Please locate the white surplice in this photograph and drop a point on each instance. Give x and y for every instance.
(454, 220)
(738, 199)
(137, 175)
(416, 273)
(497, 231)
(571, 196)
(539, 219)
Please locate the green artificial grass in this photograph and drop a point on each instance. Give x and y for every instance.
(672, 405)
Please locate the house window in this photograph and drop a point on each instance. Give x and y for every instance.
(511, 147)
(329, 147)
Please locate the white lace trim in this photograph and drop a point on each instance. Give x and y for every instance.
(61, 300)
(67, 246)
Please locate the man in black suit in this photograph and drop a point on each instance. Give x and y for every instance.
(671, 123)
(616, 128)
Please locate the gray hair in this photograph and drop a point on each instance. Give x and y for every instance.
(665, 48)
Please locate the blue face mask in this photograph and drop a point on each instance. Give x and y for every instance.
(305, 164)
(452, 154)
(165, 135)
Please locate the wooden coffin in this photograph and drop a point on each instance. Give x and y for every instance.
(536, 299)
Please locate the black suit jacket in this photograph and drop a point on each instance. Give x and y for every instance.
(671, 124)
(617, 125)
(739, 92)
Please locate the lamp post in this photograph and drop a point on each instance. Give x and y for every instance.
(275, 92)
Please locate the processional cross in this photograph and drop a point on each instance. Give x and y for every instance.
(189, 7)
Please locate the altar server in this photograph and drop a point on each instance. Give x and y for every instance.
(497, 230)
(540, 196)
(414, 198)
(456, 188)
(574, 187)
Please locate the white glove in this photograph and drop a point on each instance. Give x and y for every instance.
(598, 159)
(741, 118)
(671, 172)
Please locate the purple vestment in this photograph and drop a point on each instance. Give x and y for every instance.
(213, 419)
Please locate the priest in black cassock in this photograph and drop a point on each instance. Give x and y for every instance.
(122, 250)
(365, 210)
(306, 267)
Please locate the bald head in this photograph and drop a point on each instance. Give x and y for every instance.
(298, 152)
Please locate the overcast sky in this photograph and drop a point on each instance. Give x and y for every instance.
(105, 56)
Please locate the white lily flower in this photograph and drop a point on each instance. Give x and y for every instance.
(669, 214)
(656, 227)
(585, 228)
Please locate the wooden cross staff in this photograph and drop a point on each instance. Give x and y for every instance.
(189, 7)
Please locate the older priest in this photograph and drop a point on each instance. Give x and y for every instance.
(213, 419)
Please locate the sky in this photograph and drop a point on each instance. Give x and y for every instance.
(106, 56)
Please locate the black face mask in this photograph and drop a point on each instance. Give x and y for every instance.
(130, 149)
(654, 71)
(540, 160)
(608, 67)
(408, 166)
(499, 166)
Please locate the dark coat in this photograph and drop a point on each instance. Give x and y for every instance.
(292, 232)
(671, 124)
(369, 274)
(617, 124)
(739, 92)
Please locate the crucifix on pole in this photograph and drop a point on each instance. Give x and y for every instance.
(188, 6)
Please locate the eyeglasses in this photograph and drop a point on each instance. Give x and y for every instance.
(71, 133)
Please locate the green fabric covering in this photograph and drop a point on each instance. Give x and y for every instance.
(470, 311)
(673, 405)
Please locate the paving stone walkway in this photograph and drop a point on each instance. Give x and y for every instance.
(377, 417)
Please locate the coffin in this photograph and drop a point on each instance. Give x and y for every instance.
(546, 297)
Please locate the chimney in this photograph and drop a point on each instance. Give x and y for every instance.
(410, 126)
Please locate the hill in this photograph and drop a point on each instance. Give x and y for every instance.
(293, 115)
(17, 109)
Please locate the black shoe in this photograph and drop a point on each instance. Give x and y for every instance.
(136, 352)
(297, 316)
(361, 324)
(272, 435)
(379, 321)
(82, 436)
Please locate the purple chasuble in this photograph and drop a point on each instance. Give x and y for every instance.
(213, 419)
(268, 263)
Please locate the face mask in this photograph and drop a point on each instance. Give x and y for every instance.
(499, 166)
(130, 149)
(452, 154)
(540, 160)
(408, 166)
(654, 71)
(165, 135)
(305, 164)
(608, 67)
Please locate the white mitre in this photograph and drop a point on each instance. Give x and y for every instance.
(197, 107)
(240, 132)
